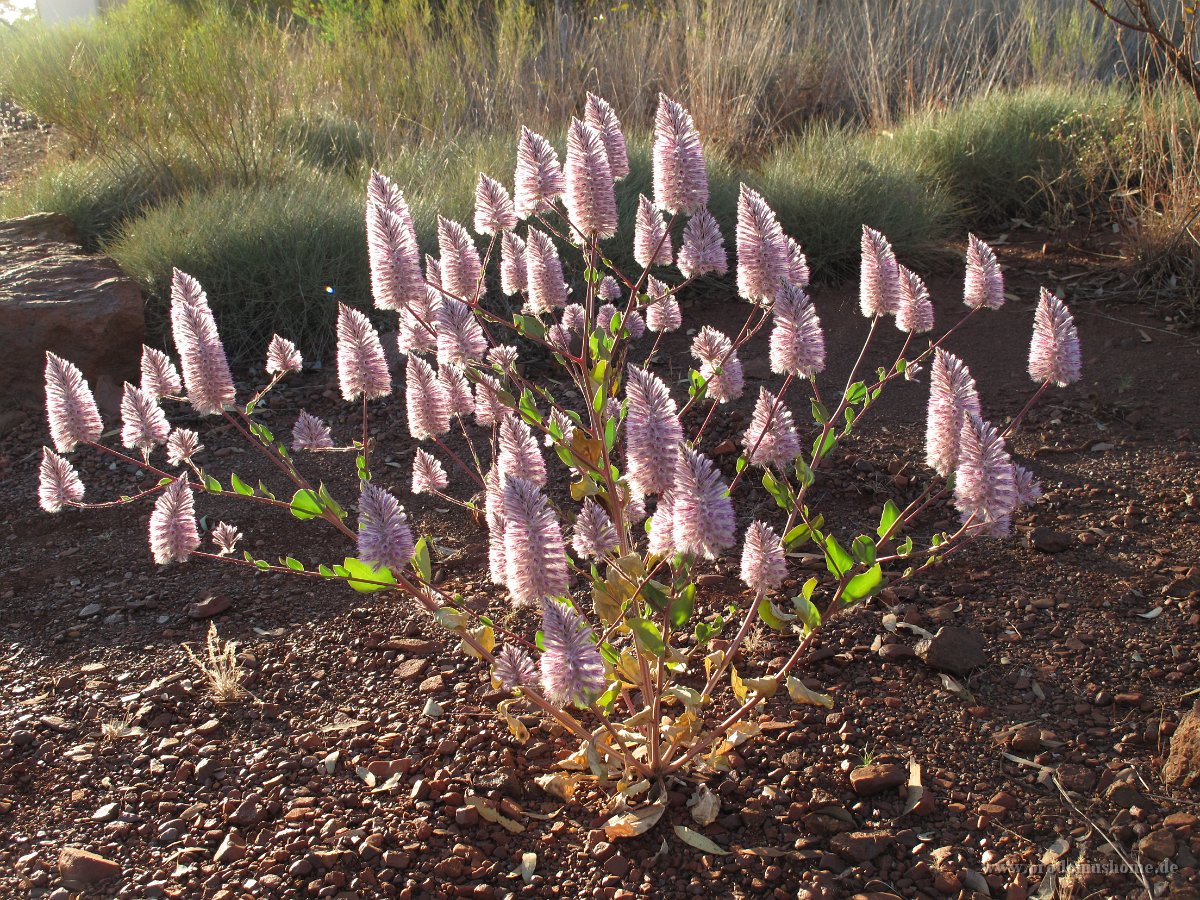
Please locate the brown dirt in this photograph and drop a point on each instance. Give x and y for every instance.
(270, 796)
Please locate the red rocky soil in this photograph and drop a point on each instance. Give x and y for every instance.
(1041, 768)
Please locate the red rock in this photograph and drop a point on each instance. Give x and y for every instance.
(209, 607)
(79, 868)
(232, 849)
(870, 780)
(1183, 763)
(861, 846)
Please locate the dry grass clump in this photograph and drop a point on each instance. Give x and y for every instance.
(219, 665)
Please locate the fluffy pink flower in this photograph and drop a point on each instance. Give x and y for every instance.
(535, 557)
(143, 425)
(1028, 488)
(418, 323)
(513, 272)
(652, 432)
(719, 364)
(182, 445)
(914, 313)
(952, 398)
(609, 290)
(493, 508)
(594, 534)
(160, 378)
(458, 390)
(590, 200)
(173, 534)
(633, 506)
(519, 454)
(460, 339)
(205, 368)
(384, 538)
(680, 173)
(771, 438)
(547, 288)
(226, 536)
(310, 433)
(663, 313)
(362, 367)
(600, 116)
(985, 283)
(58, 482)
(504, 356)
(703, 248)
(488, 408)
(985, 481)
(428, 403)
(763, 564)
(662, 527)
(573, 317)
(283, 357)
(538, 180)
(764, 256)
(572, 670)
(70, 406)
(797, 342)
(1054, 353)
(703, 512)
(879, 287)
(460, 263)
(494, 211)
(393, 255)
(564, 424)
(558, 338)
(512, 667)
(651, 243)
(428, 474)
(797, 264)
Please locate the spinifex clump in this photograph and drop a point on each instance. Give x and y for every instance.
(603, 537)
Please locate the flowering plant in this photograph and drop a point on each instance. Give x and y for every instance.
(629, 659)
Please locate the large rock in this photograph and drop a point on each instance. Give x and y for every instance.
(53, 296)
(79, 868)
(953, 649)
(1183, 763)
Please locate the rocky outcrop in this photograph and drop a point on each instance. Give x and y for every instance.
(53, 296)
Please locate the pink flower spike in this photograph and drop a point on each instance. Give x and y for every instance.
(310, 433)
(764, 256)
(985, 282)
(985, 491)
(590, 200)
(572, 670)
(703, 512)
(879, 287)
(652, 432)
(798, 273)
(458, 390)
(494, 211)
(1028, 488)
(520, 455)
(182, 445)
(283, 357)
(797, 342)
(173, 533)
(534, 553)
(504, 356)
(680, 173)
(362, 367)
(573, 317)
(58, 482)
(547, 288)
(719, 365)
(460, 263)
(70, 406)
(143, 425)
(609, 290)
(394, 258)
(600, 116)
(594, 535)
(488, 408)
(1054, 354)
(428, 474)
(460, 339)
(226, 536)
(205, 368)
(428, 403)
(538, 180)
(662, 527)
(512, 667)
(915, 311)
(775, 434)
(513, 273)
(160, 378)
(384, 538)
(952, 397)
(565, 426)
(651, 243)
(703, 248)
(663, 313)
(763, 563)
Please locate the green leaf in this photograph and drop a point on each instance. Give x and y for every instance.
(262, 489)
(240, 486)
(326, 571)
(356, 568)
(781, 493)
(648, 637)
(901, 365)
(862, 586)
(530, 326)
(905, 548)
(329, 502)
(294, 564)
(849, 421)
(804, 474)
(262, 564)
(212, 485)
(809, 587)
(819, 413)
(539, 641)
(698, 385)
(837, 560)
(774, 617)
(822, 447)
(863, 549)
(797, 537)
(683, 606)
(741, 463)
(306, 505)
(421, 561)
(598, 400)
(857, 393)
(655, 595)
(891, 512)
(528, 410)
(610, 434)
(809, 615)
